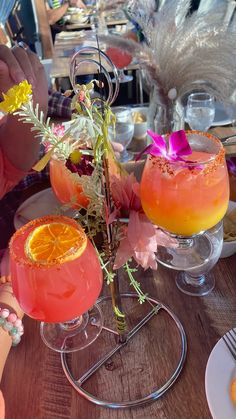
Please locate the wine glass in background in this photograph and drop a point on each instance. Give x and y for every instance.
(56, 278)
(121, 60)
(200, 111)
(124, 131)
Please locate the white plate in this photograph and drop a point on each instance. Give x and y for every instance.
(220, 370)
(223, 116)
(64, 36)
(38, 205)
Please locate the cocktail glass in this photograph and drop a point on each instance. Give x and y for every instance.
(66, 185)
(56, 278)
(187, 199)
(121, 60)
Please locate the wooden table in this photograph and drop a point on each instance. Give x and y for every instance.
(109, 23)
(224, 132)
(35, 386)
(60, 63)
(111, 19)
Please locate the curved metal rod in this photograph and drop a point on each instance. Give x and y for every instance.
(150, 397)
(75, 65)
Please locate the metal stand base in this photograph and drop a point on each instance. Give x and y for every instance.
(77, 383)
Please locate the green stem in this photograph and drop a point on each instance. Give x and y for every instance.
(136, 285)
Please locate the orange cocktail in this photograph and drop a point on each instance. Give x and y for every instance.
(187, 198)
(55, 271)
(66, 185)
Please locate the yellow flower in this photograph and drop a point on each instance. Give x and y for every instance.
(75, 156)
(16, 96)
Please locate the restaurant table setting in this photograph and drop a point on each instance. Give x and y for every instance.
(139, 315)
(84, 18)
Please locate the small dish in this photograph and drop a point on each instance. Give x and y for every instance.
(229, 247)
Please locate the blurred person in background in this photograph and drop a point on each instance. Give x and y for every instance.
(56, 11)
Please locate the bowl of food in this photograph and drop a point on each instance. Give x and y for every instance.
(229, 223)
(140, 116)
(80, 16)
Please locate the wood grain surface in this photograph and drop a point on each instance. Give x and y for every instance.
(35, 386)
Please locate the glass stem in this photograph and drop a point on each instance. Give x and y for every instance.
(185, 243)
(195, 281)
(74, 324)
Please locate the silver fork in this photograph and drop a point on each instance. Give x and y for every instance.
(230, 340)
(229, 140)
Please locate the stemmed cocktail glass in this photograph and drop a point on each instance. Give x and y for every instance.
(121, 60)
(56, 278)
(187, 199)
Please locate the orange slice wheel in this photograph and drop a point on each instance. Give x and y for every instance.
(55, 242)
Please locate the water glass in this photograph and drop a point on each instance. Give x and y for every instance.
(200, 112)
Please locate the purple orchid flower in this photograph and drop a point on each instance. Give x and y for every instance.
(231, 165)
(178, 146)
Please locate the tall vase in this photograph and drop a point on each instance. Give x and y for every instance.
(165, 115)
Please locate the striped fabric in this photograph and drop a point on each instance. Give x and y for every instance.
(53, 4)
(56, 4)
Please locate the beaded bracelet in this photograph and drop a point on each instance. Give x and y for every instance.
(11, 324)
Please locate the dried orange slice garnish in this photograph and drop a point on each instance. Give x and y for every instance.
(55, 242)
(233, 390)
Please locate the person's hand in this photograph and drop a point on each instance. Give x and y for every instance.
(4, 266)
(78, 3)
(18, 64)
(118, 148)
(22, 146)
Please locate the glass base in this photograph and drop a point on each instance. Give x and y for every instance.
(111, 356)
(123, 79)
(126, 156)
(191, 252)
(198, 287)
(73, 335)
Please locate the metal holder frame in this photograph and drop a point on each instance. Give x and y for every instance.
(78, 383)
(79, 59)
